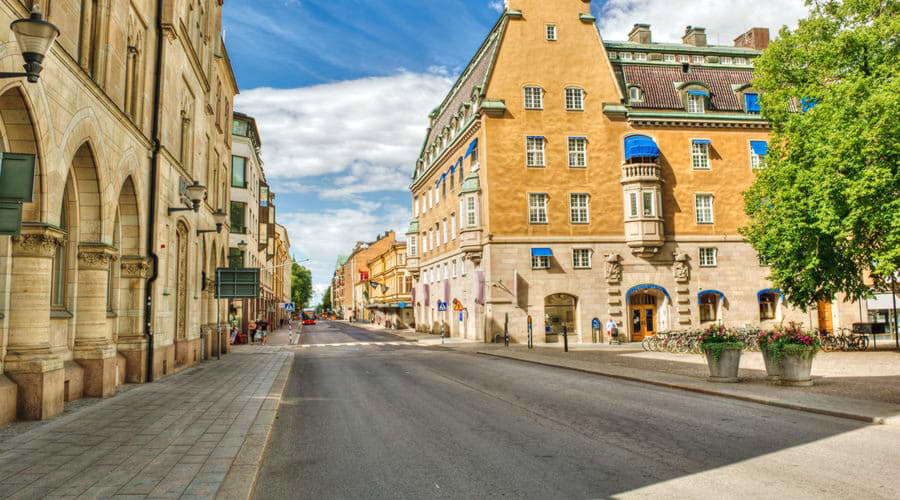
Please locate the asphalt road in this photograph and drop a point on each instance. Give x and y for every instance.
(383, 421)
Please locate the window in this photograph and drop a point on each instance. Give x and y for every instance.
(540, 262)
(424, 243)
(235, 258)
(635, 94)
(640, 56)
(704, 208)
(58, 286)
(577, 152)
(700, 155)
(709, 305)
(90, 36)
(445, 238)
(625, 56)
(669, 57)
(551, 32)
(453, 226)
(648, 204)
(238, 172)
(471, 215)
(633, 204)
(768, 304)
(238, 217)
(696, 103)
(684, 58)
(416, 206)
(534, 98)
(751, 102)
(534, 152)
(697, 59)
(756, 160)
(740, 61)
(453, 269)
(613, 55)
(708, 257)
(726, 60)
(574, 99)
(579, 208)
(537, 208)
(581, 258)
(412, 249)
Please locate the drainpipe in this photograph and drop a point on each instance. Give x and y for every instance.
(154, 170)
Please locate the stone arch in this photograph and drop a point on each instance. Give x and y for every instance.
(129, 219)
(17, 134)
(87, 185)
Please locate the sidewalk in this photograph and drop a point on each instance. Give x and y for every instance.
(193, 434)
(862, 386)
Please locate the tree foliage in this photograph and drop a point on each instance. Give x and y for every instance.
(825, 212)
(301, 285)
(326, 300)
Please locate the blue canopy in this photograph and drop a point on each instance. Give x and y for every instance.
(535, 137)
(704, 93)
(578, 137)
(710, 292)
(638, 146)
(646, 287)
(760, 293)
(808, 103)
(752, 101)
(702, 141)
(541, 252)
(472, 147)
(760, 147)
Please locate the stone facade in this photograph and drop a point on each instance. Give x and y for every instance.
(530, 199)
(73, 284)
(352, 278)
(390, 289)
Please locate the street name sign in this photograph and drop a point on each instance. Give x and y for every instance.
(237, 283)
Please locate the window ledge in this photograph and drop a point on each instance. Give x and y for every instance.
(60, 314)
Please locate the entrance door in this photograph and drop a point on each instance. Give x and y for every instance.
(643, 316)
(825, 322)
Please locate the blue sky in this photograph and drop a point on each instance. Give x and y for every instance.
(341, 90)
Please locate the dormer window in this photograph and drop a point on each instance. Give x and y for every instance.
(751, 102)
(698, 59)
(640, 56)
(669, 57)
(551, 33)
(726, 60)
(696, 101)
(635, 94)
(534, 98)
(625, 56)
(740, 61)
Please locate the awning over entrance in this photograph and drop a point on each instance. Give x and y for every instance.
(641, 288)
(541, 252)
(711, 292)
(640, 146)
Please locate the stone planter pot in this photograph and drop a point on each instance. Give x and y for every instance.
(724, 369)
(796, 369)
(773, 366)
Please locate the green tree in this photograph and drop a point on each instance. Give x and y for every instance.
(301, 285)
(825, 211)
(326, 300)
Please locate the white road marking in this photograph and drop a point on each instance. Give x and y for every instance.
(355, 344)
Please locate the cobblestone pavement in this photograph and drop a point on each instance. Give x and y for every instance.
(177, 438)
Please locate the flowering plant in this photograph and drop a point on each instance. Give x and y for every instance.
(790, 341)
(717, 339)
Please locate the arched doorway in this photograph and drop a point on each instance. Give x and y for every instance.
(559, 316)
(647, 310)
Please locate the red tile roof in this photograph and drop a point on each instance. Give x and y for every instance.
(658, 84)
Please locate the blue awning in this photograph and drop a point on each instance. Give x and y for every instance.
(638, 146)
(646, 287)
(702, 141)
(541, 252)
(752, 102)
(760, 147)
(760, 293)
(808, 103)
(578, 137)
(710, 292)
(535, 137)
(472, 147)
(704, 93)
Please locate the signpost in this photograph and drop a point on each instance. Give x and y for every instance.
(530, 334)
(16, 188)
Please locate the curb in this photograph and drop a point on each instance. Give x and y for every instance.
(748, 398)
(241, 479)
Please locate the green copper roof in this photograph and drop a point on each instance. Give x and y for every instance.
(341, 260)
(680, 47)
(472, 184)
(413, 227)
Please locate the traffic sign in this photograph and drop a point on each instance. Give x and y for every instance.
(596, 323)
(289, 307)
(442, 306)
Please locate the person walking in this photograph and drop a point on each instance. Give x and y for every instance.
(612, 330)
(263, 328)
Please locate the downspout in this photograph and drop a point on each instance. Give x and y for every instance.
(154, 171)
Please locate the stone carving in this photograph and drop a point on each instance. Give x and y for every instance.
(97, 259)
(36, 245)
(681, 268)
(613, 268)
(135, 268)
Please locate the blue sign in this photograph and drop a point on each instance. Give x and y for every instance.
(402, 305)
(460, 316)
(596, 323)
(442, 306)
(289, 307)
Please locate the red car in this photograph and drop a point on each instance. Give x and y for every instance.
(309, 321)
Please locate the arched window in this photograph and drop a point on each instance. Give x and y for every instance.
(768, 304)
(58, 286)
(709, 307)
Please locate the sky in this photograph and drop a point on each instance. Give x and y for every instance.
(341, 91)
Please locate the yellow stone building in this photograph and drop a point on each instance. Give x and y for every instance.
(566, 178)
(110, 280)
(352, 278)
(390, 289)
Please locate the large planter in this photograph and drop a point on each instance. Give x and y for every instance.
(796, 369)
(725, 368)
(773, 365)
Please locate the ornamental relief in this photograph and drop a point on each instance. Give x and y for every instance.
(135, 268)
(35, 245)
(613, 268)
(97, 260)
(681, 269)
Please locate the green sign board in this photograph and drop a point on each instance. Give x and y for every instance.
(10, 218)
(237, 283)
(16, 177)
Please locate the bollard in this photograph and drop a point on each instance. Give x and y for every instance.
(442, 331)
(565, 338)
(506, 330)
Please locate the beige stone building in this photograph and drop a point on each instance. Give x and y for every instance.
(566, 178)
(351, 278)
(106, 284)
(281, 270)
(390, 289)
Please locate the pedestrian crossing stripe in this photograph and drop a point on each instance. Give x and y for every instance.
(352, 344)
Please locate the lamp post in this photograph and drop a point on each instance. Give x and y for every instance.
(242, 246)
(195, 193)
(219, 217)
(34, 37)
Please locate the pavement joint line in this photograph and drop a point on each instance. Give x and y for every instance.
(239, 483)
(711, 392)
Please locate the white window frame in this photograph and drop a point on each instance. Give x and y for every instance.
(648, 209)
(416, 205)
(537, 208)
(757, 162)
(634, 210)
(625, 56)
(726, 60)
(552, 32)
(635, 94)
(696, 104)
(579, 213)
(700, 156)
(453, 268)
(577, 152)
(574, 99)
(640, 56)
(698, 59)
(740, 61)
(683, 58)
(412, 248)
(534, 97)
(445, 231)
(471, 212)
(585, 262)
(540, 262)
(669, 57)
(535, 152)
(708, 257)
(453, 226)
(613, 55)
(703, 209)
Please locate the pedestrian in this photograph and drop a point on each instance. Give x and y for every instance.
(612, 330)
(262, 328)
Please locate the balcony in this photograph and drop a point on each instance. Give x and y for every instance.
(641, 172)
(642, 189)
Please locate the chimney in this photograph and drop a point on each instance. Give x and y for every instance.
(756, 39)
(694, 35)
(640, 34)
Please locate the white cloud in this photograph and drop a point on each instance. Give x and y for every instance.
(332, 128)
(322, 235)
(497, 5)
(723, 20)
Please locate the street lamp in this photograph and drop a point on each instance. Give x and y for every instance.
(242, 246)
(219, 217)
(195, 193)
(34, 36)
